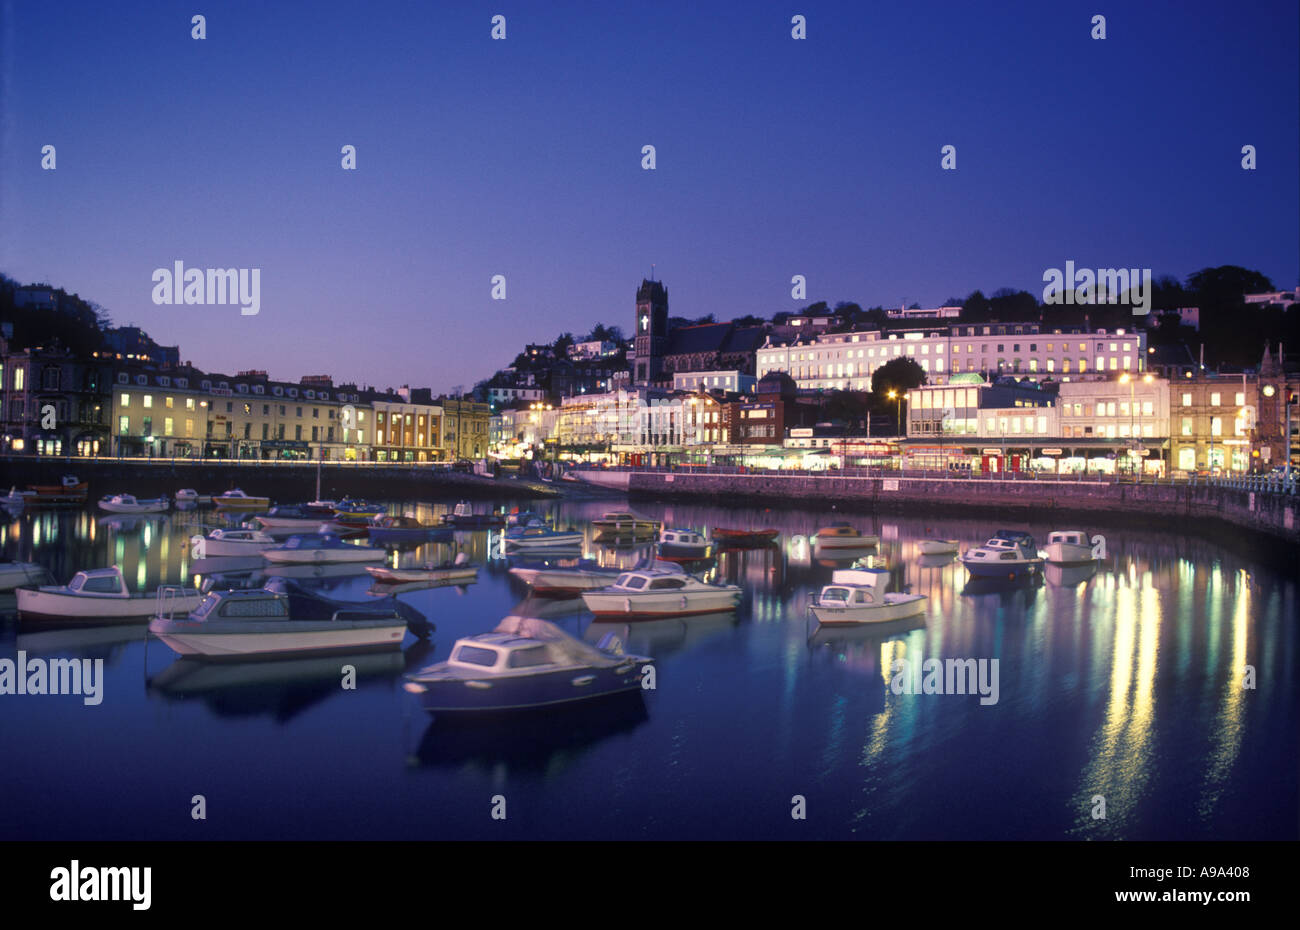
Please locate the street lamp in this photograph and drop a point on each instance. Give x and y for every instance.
(1134, 443)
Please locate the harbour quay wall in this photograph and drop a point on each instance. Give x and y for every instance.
(281, 481)
(1176, 506)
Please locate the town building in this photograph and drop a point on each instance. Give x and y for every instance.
(53, 403)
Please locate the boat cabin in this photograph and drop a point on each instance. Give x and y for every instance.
(1006, 546)
(235, 604)
(100, 582)
(499, 652)
(682, 538)
(1069, 538)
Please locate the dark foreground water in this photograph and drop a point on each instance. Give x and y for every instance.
(1125, 685)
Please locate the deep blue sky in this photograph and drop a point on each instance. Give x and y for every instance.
(522, 157)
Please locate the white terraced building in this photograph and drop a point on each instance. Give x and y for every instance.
(846, 361)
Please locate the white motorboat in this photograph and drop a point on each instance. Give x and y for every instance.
(857, 595)
(841, 535)
(299, 550)
(191, 496)
(235, 541)
(235, 499)
(128, 503)
(98, 594)
(526, 662)
(686, 545)
(1073, 547)
(540, 536)
(291, 518)
(663, 591)
(14, 574)
(280, 620)
(938, 546)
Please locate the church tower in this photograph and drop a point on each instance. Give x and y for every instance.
(651, 332)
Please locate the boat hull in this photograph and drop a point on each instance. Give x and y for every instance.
(37, 602)
(877, 613)
(157, 506)
(659, 606)
(520, 692)
(214, 640)
(846, 542)
(558, 541)
(1069, 554)
(558, 582)
(408, 575)
(938, 547)
(1008, 570)
(241, 503)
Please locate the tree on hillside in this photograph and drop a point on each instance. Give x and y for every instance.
(897, 374)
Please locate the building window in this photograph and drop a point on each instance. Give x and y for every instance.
(123, 425)
(126, 400)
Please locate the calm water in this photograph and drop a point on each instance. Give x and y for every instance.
(1123, 684)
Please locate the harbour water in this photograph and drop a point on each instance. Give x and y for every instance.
(1124, 683)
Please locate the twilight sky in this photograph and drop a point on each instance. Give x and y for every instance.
(522, 157)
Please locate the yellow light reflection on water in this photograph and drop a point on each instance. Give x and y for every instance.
(1229, 722)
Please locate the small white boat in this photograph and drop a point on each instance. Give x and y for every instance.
(938, 546)
(223, 542)
(99, 594)
(1073, 547)
(191, 496)
(14, 574)
(458, 571)
(279, 620)
(686, 545)
(663, 591)
(235, 499)
(299, 550)
(842, 535)
(128, 503)
(857, 595)
(540, 536)
(290, 518)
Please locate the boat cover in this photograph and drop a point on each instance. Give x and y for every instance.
(565, 649)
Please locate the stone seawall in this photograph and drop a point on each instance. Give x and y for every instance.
(282, 482)
(1172, 506)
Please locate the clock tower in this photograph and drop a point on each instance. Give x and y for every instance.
(651, 332)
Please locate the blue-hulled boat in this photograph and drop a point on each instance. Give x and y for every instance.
(524, 663)
(405, 529)
(1009, 554)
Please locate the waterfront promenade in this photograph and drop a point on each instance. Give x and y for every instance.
(1260, 505)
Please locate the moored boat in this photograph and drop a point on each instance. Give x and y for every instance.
(281, 619)
(323, 547)
(524, 663)
(686, 545)
(404, 529)
(14, 574)
(95, 594)
(938, 546)
(235, 499)
(857, 595)
(842, 535)
(191, 496)
(663, 591)
(1008, 554)
(541, 536)
(128, 503)
(68, 491)
(290, 517)
(463, 515)
(1073, 548)
(231, 541)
